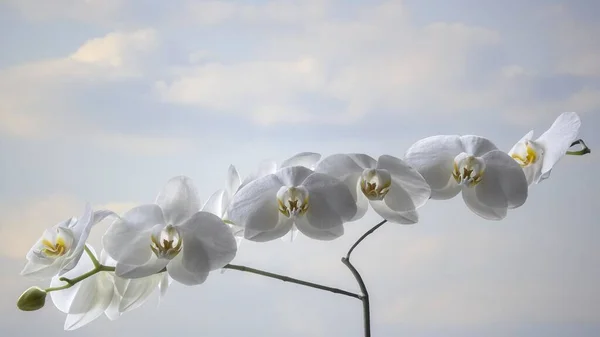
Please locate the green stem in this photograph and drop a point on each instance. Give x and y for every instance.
(584, 150)
(291, 280)
(361, 283)
(74, 281)
(92, 257)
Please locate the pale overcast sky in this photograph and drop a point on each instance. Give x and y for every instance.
(105, 100)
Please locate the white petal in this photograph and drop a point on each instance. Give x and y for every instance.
(343, 165)
(306, 159)
(81, 230)
(362, 203)
(63, 299)
(36, 270)
(205, 233)
(291, 236)
(558, 139)
(409, 180)
(233, 180)
(127, 240)
(264, 168)
(318, 234)
(100, 215)
(476, 145)
(283, 227)
(254, 206)
(486, 212)
(181, 274)
(330, 202)
(527, 137)
(112, 312)
(533, 172)
(405, 218)
(349, 168)
(293, 176)
(433, 158)
(138, 291)
(165, 282)
(178, 200)
(151, 267)
(100, 301)
(215, 204)
(503, 184)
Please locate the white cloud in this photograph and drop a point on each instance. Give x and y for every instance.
(584, 101)
(81, 10)
(141, 145)
(32, 92)
(377, 61)
(219, 12)
(575, 42)
(116, 50)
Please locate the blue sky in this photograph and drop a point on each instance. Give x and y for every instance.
(104, 101)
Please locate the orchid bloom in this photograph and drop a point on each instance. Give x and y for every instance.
(538, 157)
(394, 189)
(221, 199)
(316, 203)
(171, 234)
(490, 180)
(60, 247)
(101, 293)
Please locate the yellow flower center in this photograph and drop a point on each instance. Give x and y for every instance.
(468, 170)
(166, 244)
(526, 155)
(375, 184)
(54, 249)
(292, 201)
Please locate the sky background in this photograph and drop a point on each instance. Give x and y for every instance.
(105, 100)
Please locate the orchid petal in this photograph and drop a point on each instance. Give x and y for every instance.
(205, 233)
(406, 181)
(557, 140)
(504, 184)
(178, 200)
(312, 232)
(127, 240)
(486, 212)
(254, 206)
(477, 146)
(331, 202)
(433, 158)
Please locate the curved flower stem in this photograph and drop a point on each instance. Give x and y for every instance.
(363, 288)
(291, 280)
(74, 281)
(584, 150)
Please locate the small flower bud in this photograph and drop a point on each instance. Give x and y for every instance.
(32, 299)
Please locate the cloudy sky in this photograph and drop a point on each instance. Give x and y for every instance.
(105, 100)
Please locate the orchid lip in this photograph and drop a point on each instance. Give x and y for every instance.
(293, 201)
(167, 243)
(375, 183)
(468, 170)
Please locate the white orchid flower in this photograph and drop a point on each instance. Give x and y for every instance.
(538, 157)
(101, 293)
(316, 203)
(220, 200)
(490, 180)
(394, 189)
(60, 247)
(171, 234)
